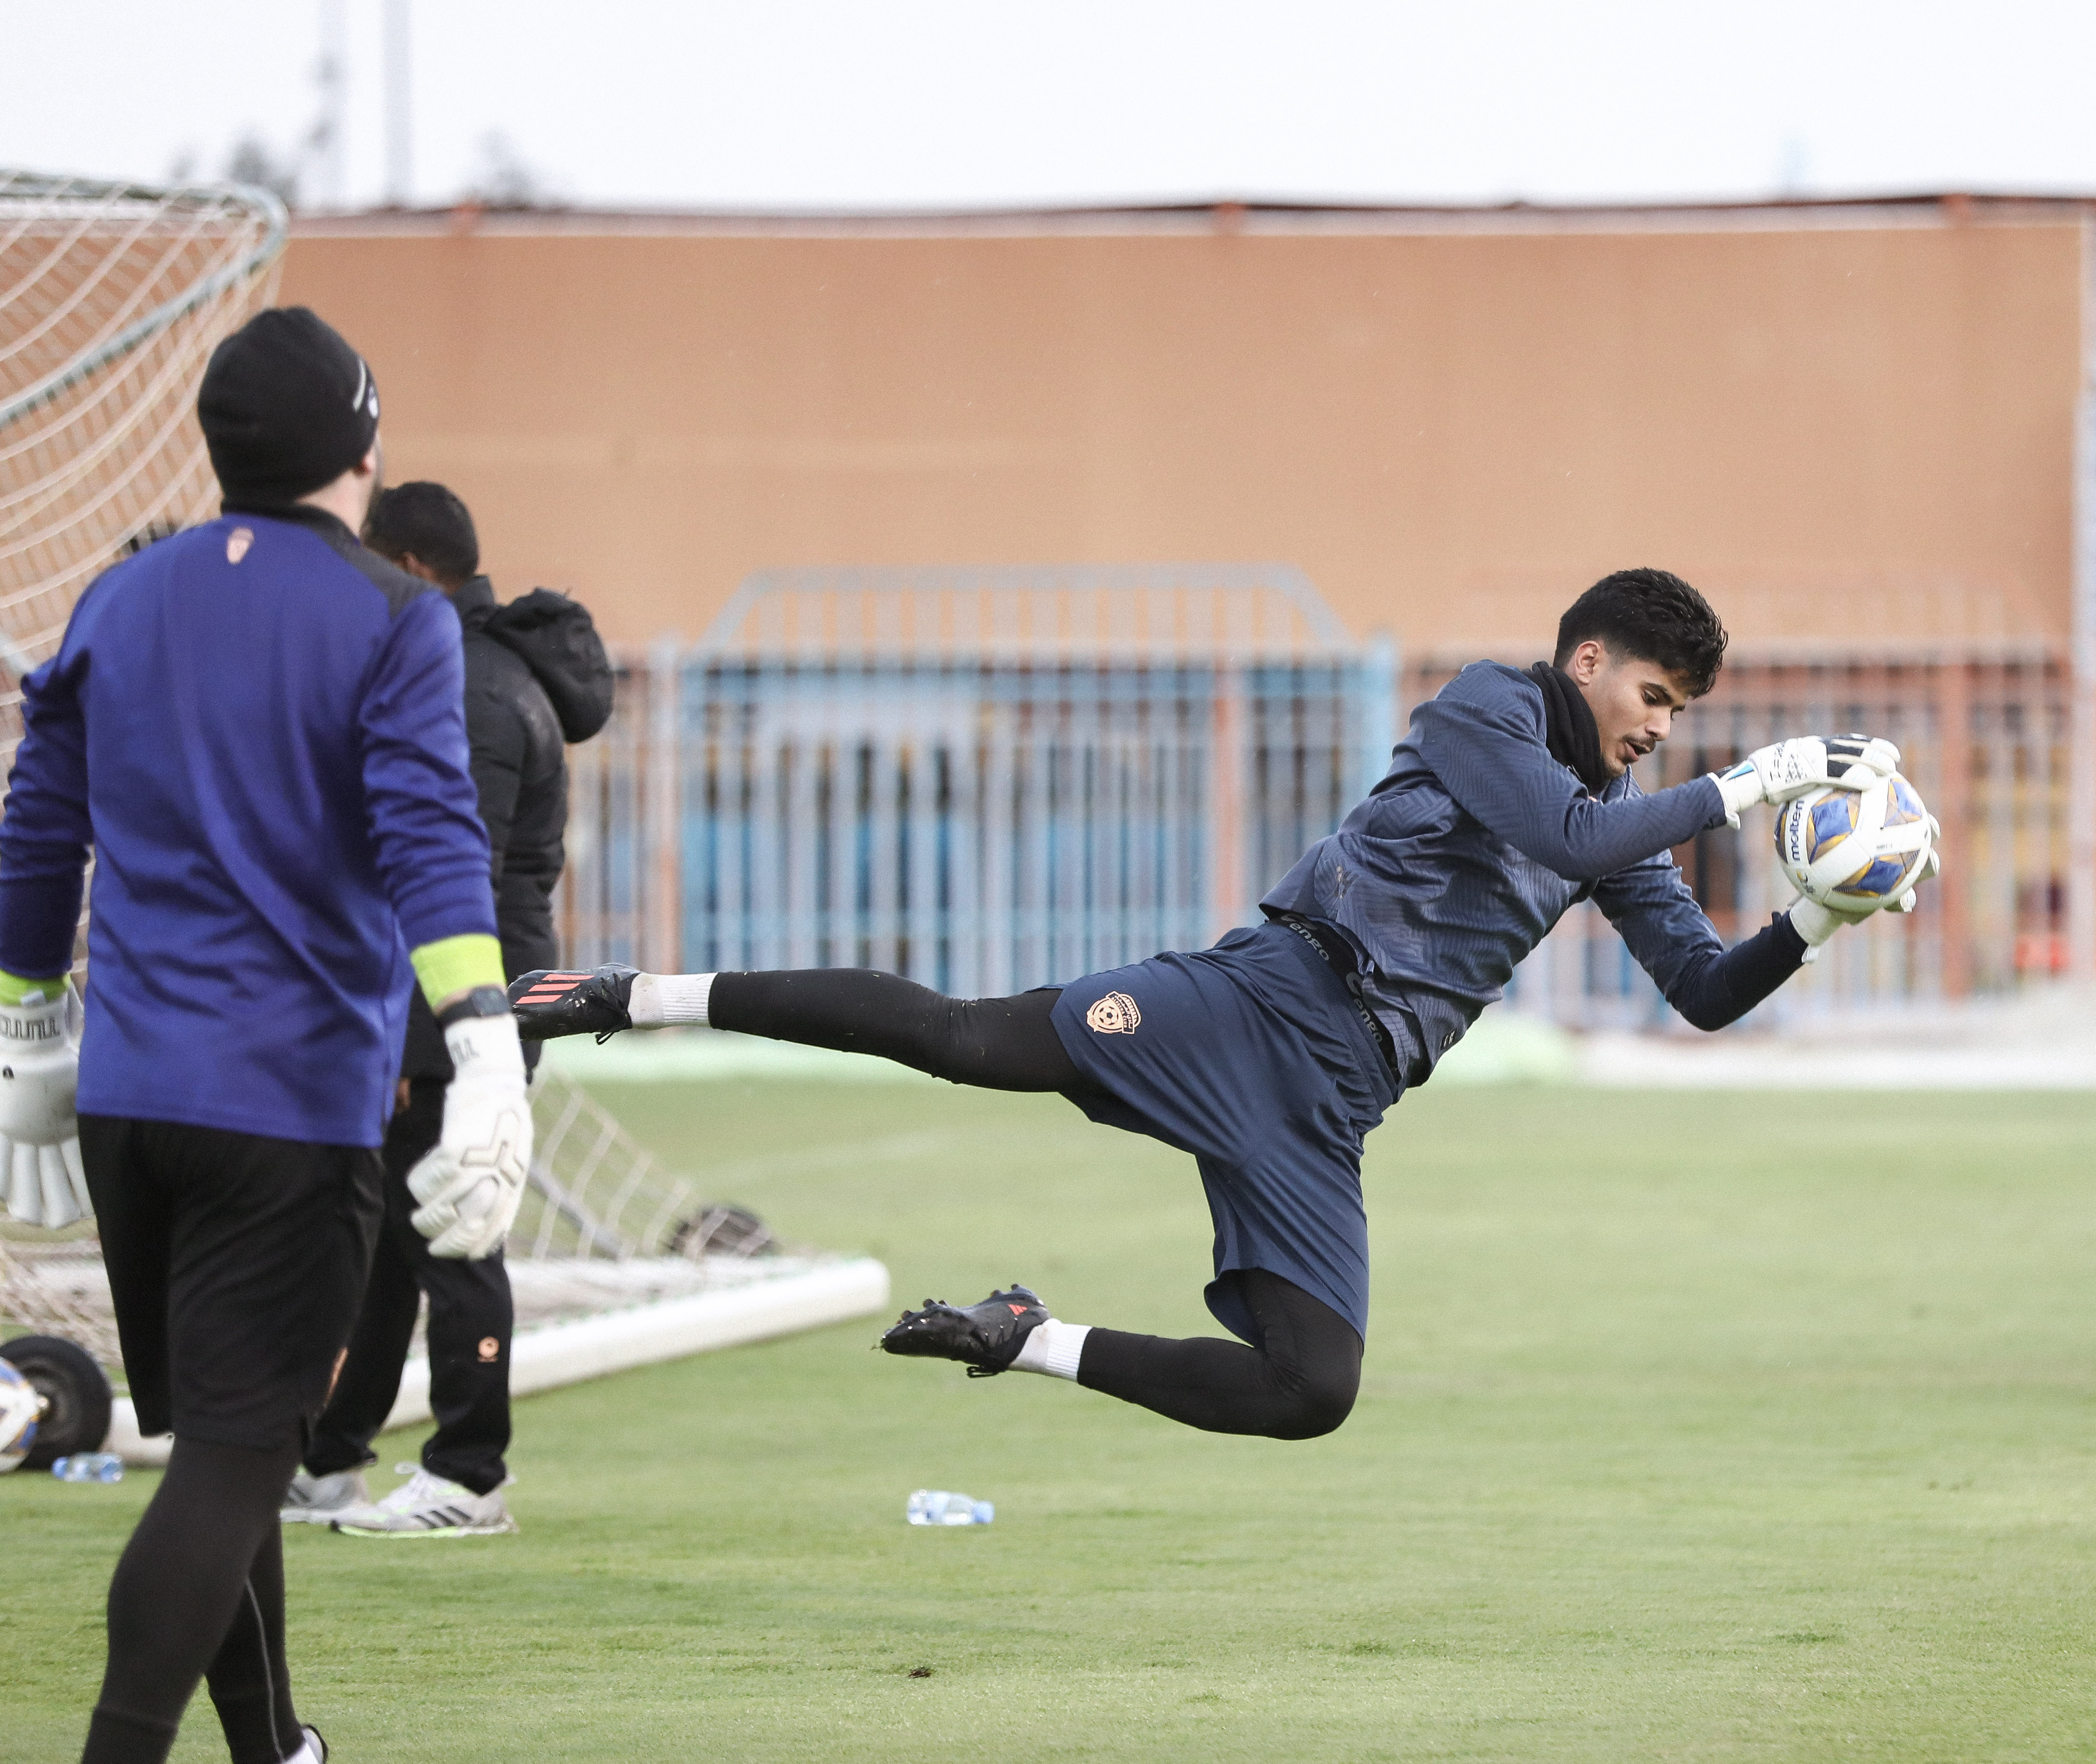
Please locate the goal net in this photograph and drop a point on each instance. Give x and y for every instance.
(112, 297)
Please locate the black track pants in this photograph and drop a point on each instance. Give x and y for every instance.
(1299, 1383)
(199, 1592)
(997, 1044)
(470, 1320)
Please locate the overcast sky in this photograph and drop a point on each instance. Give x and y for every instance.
(860, 104)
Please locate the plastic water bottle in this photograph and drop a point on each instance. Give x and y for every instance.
(935, 1506)
(88, 1467)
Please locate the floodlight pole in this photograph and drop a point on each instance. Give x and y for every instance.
(399, 106)
(329, 136)
(2081, 810)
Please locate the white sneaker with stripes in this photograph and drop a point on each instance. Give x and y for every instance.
(323, 1499)
(429, 1506)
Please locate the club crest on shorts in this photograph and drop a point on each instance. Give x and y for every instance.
(1113, 1014)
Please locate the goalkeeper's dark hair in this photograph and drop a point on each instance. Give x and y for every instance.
(1653, 616)
(427, 521)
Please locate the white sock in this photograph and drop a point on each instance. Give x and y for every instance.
(1053, 1348)
(658, 1001)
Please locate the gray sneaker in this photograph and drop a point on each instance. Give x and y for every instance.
(429, 1506)
(323, 1499)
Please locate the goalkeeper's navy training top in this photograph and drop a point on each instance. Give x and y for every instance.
(1477, 841)
(259, 726)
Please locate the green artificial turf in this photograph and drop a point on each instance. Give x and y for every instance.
(1694, 1426)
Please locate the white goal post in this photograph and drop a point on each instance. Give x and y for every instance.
(614, 1262)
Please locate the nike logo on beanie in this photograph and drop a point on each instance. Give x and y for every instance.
(366, 395)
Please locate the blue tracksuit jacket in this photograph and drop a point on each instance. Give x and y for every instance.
(1477, 841)
(258, 725)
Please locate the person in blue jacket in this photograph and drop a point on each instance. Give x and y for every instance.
(1270, 1056)
(256, 726)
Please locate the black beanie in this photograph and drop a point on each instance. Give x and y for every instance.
(287, 407)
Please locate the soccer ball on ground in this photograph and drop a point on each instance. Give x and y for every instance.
(21, 1408)
(1856, 850)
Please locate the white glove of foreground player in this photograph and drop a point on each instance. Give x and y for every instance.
(40, 1165)
(1789, 769)
(470, 1184)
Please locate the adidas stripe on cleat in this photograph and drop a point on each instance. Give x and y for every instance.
(549, 1004)
(985, 1338)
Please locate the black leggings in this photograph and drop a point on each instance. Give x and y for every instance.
(200, 1593)
(996, 1044)
(1299, 1383)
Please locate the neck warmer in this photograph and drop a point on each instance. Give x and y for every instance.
(1574, 739)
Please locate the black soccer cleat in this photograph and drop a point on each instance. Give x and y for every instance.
(549, 1004)
(985, 1338)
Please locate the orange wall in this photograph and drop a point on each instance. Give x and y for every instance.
(1451, 434)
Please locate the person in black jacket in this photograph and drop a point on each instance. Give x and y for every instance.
(536, 677)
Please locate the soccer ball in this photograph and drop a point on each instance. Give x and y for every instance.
(21, 1407)
(1855, 849)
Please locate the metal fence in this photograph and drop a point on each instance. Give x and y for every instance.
(982, 780)
(991, 779)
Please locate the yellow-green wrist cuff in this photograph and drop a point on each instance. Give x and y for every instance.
(457, 964)
(15, 990)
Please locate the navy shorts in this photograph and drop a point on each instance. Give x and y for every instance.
(1252, 1057)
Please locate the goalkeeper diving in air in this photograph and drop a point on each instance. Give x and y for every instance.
(1270, 1056)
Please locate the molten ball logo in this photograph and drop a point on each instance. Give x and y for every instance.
(1113, 1014)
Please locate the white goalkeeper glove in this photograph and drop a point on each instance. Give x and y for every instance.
(1932, 866)
(1789, 769)
(40, 1165)
(1816, 923)
(470, 1183)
